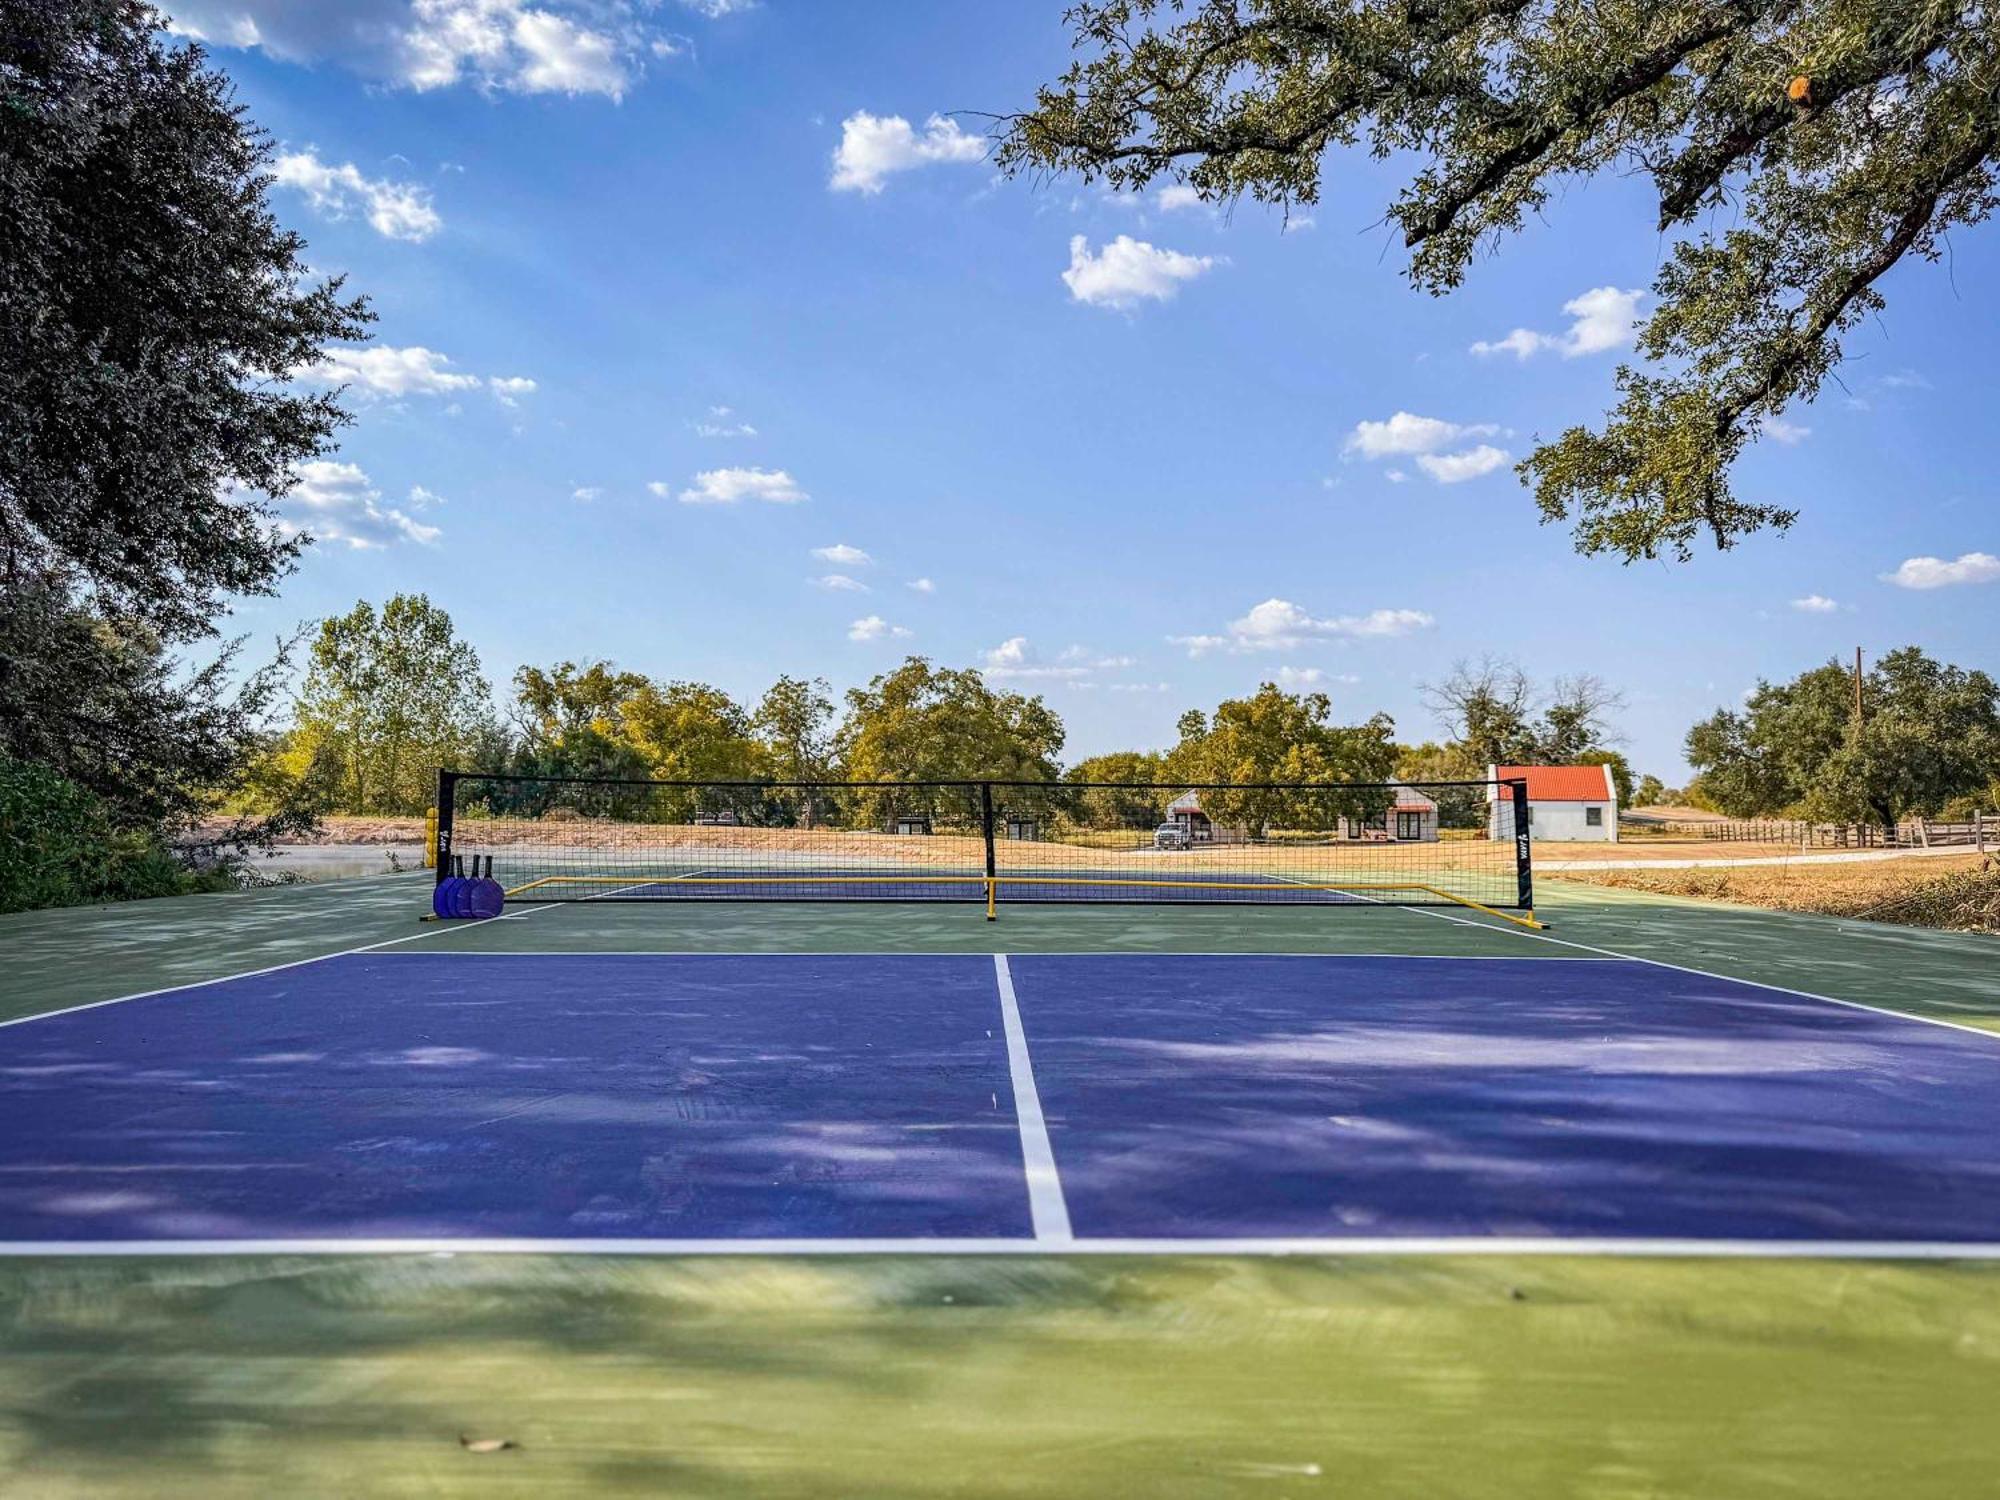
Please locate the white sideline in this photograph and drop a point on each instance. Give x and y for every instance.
(196, 984)
(1437, 1245)
(1046, 1208)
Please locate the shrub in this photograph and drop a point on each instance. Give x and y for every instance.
(61, 846)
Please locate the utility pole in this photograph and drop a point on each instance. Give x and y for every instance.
(1854, 727)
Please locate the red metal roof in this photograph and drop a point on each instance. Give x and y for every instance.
(1560, 783)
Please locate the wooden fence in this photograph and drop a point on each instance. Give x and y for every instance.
(1980, 832)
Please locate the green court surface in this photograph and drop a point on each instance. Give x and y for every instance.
(1628, 1378)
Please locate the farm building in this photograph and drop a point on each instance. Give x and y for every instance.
(1412, 818)
(1185, 810)
(1564, 802)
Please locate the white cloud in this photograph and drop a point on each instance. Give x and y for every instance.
(875, 628)
(1521, 343)
(523, 46)
(509, 389)
(874, 146)
(1126, 271)
(335, 502)
(1788, 433)
(423, 499)
(1815, 604)
(727, 486)
(840, 582)
(1177, 195)
(1140, 687)
(1407, 433)
(720, 423)
(396, 210)
(1602, 319)
(1300, 677)
(1396, 476)
(1455, 468)
(846, 556)
(1906, 380)
(1937, 573)
(1015, 658)
(923, 586)
(384, 372)
(714, 10)
(585, 493)
(1280, 625)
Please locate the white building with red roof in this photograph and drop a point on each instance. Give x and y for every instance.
(1564, 802)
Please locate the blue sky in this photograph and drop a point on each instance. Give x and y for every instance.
(683, 305)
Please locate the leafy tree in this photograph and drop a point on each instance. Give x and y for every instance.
(1929, 732)
(572, 721)
(155, 313)
(689, 731)
(1109, 807)
(1651, 792)
(390, 697)
(793, 724)
(1621, 771)
(1427, 764)
(61, 845)
(1843, 137)
(99, 701)
(1279, 737)
(924, 723)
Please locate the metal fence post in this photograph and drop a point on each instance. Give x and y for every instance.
(992, 864)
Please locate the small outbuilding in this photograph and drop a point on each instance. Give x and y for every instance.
(1577, 803)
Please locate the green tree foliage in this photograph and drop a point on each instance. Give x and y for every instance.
(794, 727)
(100, 702)
(1110, 807)
(1427, 764)
(1929, 732)
(1651, 792)
(1275, 736)
(61, 845)
(689, 731)
(925, 723)
(155, 313)
(388, 698)
(571, 720)
(1842, 136)
(1621, 771)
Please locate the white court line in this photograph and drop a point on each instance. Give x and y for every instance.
(1471, 958)
(1436, 1245)
(1046, 1209)
(195, 984)
(1758, 984)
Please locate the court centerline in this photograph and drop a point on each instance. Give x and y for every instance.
(1046, 1208)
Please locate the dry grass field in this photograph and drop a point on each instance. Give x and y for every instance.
(1958, 892)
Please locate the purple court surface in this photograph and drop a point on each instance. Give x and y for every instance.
(943, 1102)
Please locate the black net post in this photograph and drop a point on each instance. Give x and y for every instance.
(1523, 860)
(447, 796)
(986, 832)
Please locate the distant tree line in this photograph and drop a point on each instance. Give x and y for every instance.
(1924, 742)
